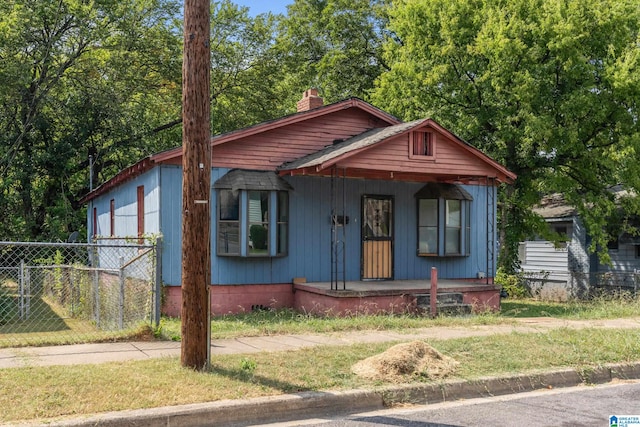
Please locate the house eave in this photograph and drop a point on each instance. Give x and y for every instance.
(322, 161)
(387, 175)
(505, 175)
(121, 177)
(285, 121)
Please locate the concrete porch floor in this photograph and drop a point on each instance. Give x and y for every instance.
(395, 287)
(389, 296)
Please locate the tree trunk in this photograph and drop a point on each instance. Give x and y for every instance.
(196, 164)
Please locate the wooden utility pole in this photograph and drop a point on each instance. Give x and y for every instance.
(196, 179)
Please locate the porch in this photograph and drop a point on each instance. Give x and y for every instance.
(388, 296)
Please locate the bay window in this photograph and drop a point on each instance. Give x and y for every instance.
(253, 212)
(444, 223)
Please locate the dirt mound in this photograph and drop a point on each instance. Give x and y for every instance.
(408, 359)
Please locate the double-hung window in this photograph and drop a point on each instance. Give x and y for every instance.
(444, 223)
(253, 214)
(258, 223)
(453, 227)
(428, 226)
(228, 222)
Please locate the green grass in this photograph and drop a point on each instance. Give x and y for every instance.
(274, 322)
(47, 330)
(286, 321)
(48, 323)
(613, 307)
(60, 391)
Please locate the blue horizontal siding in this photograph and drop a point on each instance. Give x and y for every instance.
(125, 198)
(309, 252)
(310, 237)
(171, 220)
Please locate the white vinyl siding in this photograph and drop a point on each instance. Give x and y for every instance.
(542, 257)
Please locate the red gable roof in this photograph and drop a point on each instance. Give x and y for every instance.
(285, 121)
(384, 164)
(310, 142)
(174, 156)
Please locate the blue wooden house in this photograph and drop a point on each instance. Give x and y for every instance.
(338, 208)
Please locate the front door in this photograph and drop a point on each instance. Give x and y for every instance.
(377, 237)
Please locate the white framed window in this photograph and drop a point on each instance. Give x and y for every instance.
(252, 223)
(253, 214)
(428, 226)
(444, 221)
(228, 226)
(453, 227)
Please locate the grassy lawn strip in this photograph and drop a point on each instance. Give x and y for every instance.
(597, 308)
(274, 322)
(49, 392)
(285, 321)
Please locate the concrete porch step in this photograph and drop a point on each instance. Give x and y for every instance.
(454, 309)
(441, 298)
(447, 304)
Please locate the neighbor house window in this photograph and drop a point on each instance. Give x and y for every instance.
(422, 144)
(94, 223)
(444, 220)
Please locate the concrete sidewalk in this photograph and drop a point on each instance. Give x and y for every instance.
(140, 350)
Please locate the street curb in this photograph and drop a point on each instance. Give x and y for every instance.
(238, 412)
(497, 386)
(290, 407)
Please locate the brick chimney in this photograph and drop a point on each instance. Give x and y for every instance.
(310, 100)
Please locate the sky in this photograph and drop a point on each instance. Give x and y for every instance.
(261, 6)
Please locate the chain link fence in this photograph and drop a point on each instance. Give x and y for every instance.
(582, 285)
(611, 282)
(60, 293)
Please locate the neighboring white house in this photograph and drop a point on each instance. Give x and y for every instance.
(569, 270)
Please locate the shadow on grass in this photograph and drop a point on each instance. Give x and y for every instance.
(259, 380)
(40, 318)
(539, 309)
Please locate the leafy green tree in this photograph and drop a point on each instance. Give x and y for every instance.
(550, 88)
(333, 45)
(78, 79)
(246, 74)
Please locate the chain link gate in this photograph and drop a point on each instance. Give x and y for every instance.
(60, 293)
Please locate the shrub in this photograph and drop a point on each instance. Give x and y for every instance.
(512, 284)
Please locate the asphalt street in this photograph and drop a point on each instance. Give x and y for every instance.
(575, 406)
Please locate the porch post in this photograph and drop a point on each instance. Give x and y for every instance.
(433, 294)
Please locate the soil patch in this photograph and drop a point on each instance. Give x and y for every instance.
(416, 358)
